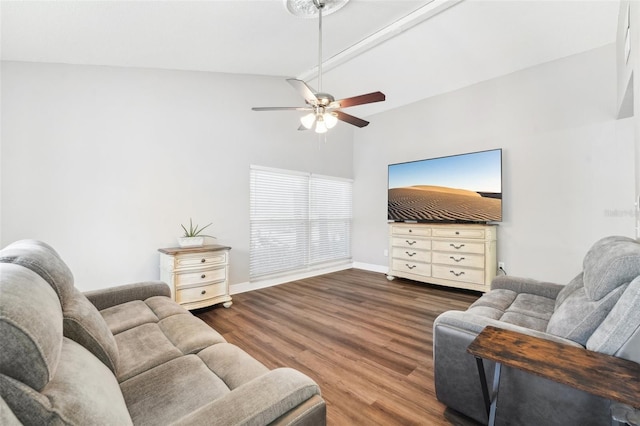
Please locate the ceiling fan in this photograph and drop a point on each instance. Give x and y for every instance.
(323, 110)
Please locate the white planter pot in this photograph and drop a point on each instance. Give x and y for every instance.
(191, 241)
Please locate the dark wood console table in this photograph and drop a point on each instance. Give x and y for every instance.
(603, 375)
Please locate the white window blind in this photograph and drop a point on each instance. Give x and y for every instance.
(299, 221)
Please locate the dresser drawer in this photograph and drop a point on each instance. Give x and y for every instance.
(184, 279)
(418, 231)
(453, 246)
(409, 242)
(191, 260)
(195, 294)
(458, 233)
(456, 273)
(411, 254)
(412, 267)
(458, 259)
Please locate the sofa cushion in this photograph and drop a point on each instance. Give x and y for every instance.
(128, 315)
(233, 365)
(172, 390)
(523, 309)
(619, 333)
(578, 316)
(83, 391)
(7, 418)
(82, 321)
(155, 331)
(494, 303)
(576, 283)
(83, 324)
(188, 333)
(30, 327)
(142, 348)
(611, 262)
(530, 311)
(164, 307)
(260, 401)
(42, 259)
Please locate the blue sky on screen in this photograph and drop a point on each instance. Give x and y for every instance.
(478, 171)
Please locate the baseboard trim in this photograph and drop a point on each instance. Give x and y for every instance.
(250, 286)
(371, 267)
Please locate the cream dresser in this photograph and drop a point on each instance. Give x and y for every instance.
(462, 256)
(198, 276)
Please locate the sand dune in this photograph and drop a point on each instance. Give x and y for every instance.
(440, 203)
(445, 189)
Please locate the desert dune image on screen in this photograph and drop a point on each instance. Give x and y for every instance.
(460, 188)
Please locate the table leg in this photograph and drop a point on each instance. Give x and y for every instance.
(494, 396)
(490, 401)
(483, 385)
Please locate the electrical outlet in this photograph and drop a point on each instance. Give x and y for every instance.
(501, 265)
(386, 253)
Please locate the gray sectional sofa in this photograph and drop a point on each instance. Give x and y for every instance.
(127, 355)
(598, 310)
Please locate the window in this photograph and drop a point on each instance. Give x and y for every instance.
(299, 221)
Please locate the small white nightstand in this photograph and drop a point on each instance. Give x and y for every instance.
(198, 276)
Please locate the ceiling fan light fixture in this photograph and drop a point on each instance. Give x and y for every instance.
(321, 126)
(308, 120)
(330, 119)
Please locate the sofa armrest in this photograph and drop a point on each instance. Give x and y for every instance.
(527, 285)
(473, 324)
(112, 296)
(262, 400)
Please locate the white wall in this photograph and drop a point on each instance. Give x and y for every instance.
(635, 60)
(568, 165)
(106, 163)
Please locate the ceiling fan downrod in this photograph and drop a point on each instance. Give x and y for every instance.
(320, 5)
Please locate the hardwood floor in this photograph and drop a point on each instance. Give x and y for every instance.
(365, 340)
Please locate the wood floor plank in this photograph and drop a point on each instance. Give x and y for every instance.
(365, 340)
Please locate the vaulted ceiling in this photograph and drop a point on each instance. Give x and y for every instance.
(409, 50)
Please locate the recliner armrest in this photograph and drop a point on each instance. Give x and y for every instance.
(474, 324)
(527, 285)
(262, 400)
(112, 296)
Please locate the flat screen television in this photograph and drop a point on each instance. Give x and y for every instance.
(465, 188)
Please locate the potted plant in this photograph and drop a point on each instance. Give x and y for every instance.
(193, 236)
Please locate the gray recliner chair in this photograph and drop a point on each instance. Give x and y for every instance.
(598, 310)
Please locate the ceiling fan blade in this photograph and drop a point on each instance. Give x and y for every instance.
(282, 109)
(359, 100)
(359, 122)
(302, 88)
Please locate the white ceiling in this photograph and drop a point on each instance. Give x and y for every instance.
(471, 41)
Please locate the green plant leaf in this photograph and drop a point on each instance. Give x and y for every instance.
(195, 231)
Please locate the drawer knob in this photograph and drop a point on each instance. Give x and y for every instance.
(457, 232)
(410, 242)
(410, 230)
(410, 266)
(203, 276)
(203, 291)
(203, 260)
(456, 247)
(457, 274)
(456, 260)
(410, 254)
